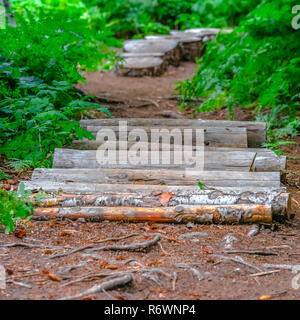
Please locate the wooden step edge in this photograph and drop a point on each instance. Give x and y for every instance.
(218, 214)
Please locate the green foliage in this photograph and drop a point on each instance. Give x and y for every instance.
(257, 66)
(38, 104)
(14, 206)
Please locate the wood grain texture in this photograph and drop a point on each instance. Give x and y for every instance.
(231, 214)
(256, 131)
(234, 161)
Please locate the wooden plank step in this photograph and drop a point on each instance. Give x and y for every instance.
(242, 213)
(141, 66)
(256, 130)
(163, 176)
(214, 137)
(213, 160)
(170, 48)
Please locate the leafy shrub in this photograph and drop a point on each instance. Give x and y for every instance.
(38, 104)
(14, 206)
(257, 66)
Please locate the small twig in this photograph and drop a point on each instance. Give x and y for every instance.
(162, 249)
(132, 247)
(108, 285)
(174, 281)
(255, 252)
(21, 284)
(149, 100)
(237, 260)
(263, 273)
(117, 239)
(28, 245)
(71, 252)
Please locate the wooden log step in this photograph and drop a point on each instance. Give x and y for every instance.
(79, 194)
(88, 188)
(214, 137)
(163, 177)
(141, 66)
(231, 214)
(213, 160)
(170, 48)
(191, 46)
(256, 130)
(262, 155)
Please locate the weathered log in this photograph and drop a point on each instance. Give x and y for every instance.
(256, 131)
(92, 194)
(265, 160)
(161, 176)
(279, 201)
(214, 137)
(212, 160)
(191, 46)
(170, 48)
(141, 66)
(231, 214)
(87, 188)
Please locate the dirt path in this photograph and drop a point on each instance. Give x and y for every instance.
(186, 265)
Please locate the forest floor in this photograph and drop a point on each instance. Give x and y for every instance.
(187, 265)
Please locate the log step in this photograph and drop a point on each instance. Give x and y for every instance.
(170, 48)
(230, 214)
(213, 160)
(191, 46)
(256, 131)
(214, 137)
(141, 66)
(213, 179)
(92, 194)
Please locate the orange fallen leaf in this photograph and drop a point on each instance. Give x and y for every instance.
(267, 297)
(172, 240)
(53, 277)
(121, 257)
(165, 197)
(87, 298)
(195, 295)
(210, 260)
(48, 251)
(65, 233)
(9, 272)
(206, 251)
(103, 264)
(120, 297)
(112, 266)
(187, 260)
(20, 234)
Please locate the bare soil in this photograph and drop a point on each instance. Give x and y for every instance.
(32, 274)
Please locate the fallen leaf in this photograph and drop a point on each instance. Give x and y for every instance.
(120, 297)
(87, 298)
(121, 257)
(20, 234)
(187, 260)
(210, 260)
(165, 197)
(152, 225)
(9, 272)
(103, 264)
(172, 240)
(112, 266)
(48, 251)
(195, 295)
(53, 277)
(6, 187)
(267, 297)
(65, 233)
(206, 251)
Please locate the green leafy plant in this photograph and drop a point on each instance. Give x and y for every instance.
(14, 206)
(257, 67)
